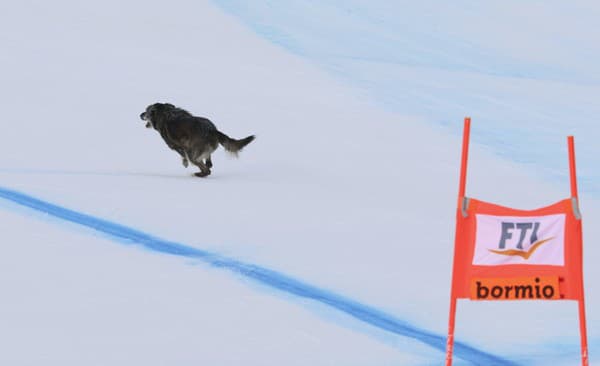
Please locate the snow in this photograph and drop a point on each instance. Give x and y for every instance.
(78, 300)
(525, 71)
(336, 192)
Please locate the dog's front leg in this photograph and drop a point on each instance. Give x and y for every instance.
(184, 157)
(185, 160)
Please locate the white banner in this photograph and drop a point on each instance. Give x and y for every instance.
(502, 240)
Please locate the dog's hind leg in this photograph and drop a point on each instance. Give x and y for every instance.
(208, 162)
(204, 170)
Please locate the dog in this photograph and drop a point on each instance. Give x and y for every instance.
(194, 138)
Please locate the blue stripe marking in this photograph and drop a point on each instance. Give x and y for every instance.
(260, 274)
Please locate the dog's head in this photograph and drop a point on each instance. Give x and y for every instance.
(156, 111)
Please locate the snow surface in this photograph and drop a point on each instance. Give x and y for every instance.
(337, 192)
(526, 71)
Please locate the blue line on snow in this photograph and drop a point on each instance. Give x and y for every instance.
(262, 275)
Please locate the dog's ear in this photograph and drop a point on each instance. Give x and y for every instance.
(151, 107)
(156, 107)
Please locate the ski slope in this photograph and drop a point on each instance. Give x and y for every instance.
(328, 242)
(525, 70)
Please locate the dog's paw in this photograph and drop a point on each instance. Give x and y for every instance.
(185, 162)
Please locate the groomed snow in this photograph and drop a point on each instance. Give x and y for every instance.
(335, 191)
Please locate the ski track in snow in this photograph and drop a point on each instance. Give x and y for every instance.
(262, 275)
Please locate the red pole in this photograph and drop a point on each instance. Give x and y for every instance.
(582, 321)
(461, 195)
(464, 158)
(583, 331)
(572, 172)
(450, 339)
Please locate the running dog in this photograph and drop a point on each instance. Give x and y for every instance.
(194, 138)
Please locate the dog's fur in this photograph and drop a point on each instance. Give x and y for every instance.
(194, 138)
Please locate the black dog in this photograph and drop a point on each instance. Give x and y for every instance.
(194, 138)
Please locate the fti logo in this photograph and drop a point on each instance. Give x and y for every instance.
(504, 240)
(525, 229)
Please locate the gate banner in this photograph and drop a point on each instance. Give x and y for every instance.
(511, 246)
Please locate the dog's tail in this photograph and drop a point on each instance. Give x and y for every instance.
(232, 145)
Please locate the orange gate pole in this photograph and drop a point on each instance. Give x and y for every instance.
(581, 302)
(572, 168)
(464, 158)
(461, 195)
